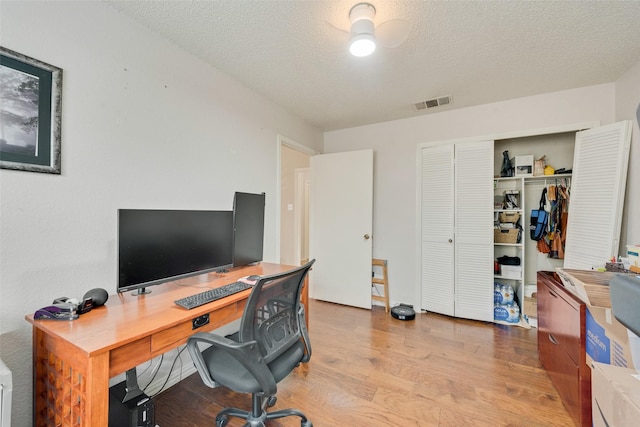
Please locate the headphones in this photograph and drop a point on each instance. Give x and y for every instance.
(92, 298)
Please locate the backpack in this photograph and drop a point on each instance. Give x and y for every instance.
(539, 219)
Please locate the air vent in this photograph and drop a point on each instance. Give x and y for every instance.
(432, 103)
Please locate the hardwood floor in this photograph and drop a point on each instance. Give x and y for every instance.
(368, 369)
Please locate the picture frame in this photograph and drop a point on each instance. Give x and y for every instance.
(524, 165)
(30, 114)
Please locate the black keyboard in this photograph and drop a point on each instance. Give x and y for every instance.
(193, 301)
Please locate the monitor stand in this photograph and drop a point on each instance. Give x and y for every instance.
(140, 291)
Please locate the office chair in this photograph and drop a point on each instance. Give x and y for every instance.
(624, 291)
(271, 342)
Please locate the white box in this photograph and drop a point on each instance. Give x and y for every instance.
(615, 396)
(633, 253)
(524, 165)
(6, 385)
(511, 271)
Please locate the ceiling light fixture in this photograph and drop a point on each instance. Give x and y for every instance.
(363, 39)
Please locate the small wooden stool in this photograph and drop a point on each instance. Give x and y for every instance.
(384, 281)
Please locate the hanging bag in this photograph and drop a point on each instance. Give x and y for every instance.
(507, 167)
(539, 219)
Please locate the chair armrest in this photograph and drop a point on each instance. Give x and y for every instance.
(247, 353)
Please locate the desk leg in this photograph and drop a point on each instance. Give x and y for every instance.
(70, 388)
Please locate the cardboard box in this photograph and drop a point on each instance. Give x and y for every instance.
(609, 341)
(530, 306)
(592, 287)
(615, 396)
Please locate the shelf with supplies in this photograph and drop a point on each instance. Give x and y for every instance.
(508, 212)
(508, 248)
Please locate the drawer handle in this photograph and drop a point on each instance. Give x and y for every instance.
(552, 339)
(552, 294)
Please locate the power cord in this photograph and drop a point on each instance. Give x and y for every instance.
(153, 377)
(171, 370)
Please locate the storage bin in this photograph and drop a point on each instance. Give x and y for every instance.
(511, 217)
(511, 271)
(508, 235)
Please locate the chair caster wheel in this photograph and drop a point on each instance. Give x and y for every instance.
(222, 420)
(271, 401)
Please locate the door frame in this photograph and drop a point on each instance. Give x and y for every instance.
(574, 127)
(290, 143)
(300, 216)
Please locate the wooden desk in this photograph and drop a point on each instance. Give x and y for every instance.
(73, 361)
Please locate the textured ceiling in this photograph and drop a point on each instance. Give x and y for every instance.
(475, 51)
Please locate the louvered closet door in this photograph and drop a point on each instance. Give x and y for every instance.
(600, 164)
(474, 230)
(437, 230)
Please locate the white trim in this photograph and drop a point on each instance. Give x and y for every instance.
(279, 144)
(417, 303)
(298, 213)
(282, 140)
(575, 127)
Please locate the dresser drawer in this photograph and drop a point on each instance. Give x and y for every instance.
(561, 345)
(559, 318)
(563, 372)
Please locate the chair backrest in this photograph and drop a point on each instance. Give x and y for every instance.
(272, 316)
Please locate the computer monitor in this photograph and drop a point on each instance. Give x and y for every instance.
(158, 246)
(248, 228)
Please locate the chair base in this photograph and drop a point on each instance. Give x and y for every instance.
(258, 416)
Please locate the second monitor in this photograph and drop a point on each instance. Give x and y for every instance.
(248, 228)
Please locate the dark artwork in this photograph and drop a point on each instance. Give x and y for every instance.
(19, 112)
(30, 113)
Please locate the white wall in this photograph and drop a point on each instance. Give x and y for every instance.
(144, 125)
(395, 144)
(627, 106)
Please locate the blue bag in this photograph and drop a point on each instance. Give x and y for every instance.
(539, 219)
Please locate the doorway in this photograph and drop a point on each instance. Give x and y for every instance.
(294, 202)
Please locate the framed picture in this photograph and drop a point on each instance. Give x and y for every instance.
(524, 165)
(30, 113)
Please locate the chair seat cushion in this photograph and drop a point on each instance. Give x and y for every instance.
(230, 373)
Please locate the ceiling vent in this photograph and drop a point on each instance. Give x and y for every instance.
(431, 103)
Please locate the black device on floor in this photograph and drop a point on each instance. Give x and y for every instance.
(129, 406)
(403, 312)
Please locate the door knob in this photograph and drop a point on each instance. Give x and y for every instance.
(450, 240)
(366, 237)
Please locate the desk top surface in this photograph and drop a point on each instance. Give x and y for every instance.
(125, 317)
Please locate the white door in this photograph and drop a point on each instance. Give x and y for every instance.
(456, 227)
(341, 227)
(595, 203)
(437, 206)
(474, 230)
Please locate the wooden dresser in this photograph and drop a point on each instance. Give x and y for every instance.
(561, 345)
